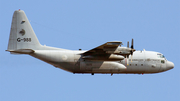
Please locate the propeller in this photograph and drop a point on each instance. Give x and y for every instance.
(132, 49)
(127, 57)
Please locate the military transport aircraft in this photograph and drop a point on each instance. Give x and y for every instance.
(107, 58)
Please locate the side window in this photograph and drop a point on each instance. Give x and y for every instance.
(162, 61)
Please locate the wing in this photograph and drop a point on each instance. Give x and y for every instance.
(105, 49)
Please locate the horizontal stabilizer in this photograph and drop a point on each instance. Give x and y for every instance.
(21, 51)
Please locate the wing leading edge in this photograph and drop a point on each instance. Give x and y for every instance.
(104, 52)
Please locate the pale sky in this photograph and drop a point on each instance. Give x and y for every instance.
(85, 24)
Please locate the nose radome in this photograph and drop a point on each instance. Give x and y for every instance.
(169, 65)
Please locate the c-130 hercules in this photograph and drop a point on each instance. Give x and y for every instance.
(108, 58)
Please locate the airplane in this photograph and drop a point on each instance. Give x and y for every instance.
(108, 58)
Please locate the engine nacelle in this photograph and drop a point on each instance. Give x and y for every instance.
(112, 65)
(123, 51)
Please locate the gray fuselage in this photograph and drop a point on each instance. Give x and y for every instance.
(142, 62)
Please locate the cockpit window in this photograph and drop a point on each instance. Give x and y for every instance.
(160, 56)
(162, 61)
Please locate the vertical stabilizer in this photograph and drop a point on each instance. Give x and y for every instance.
(22, 36)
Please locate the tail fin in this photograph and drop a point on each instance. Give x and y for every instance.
(22, 38)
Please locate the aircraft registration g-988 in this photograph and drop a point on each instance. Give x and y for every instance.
(108, 58)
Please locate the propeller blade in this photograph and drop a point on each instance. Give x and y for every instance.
(132, 44)
(131, 57)
(127, 61)
(127, 58)
(132, 49)
(128, 44)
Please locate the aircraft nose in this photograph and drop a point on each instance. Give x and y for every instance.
(169, 65)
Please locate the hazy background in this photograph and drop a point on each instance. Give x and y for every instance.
(74, 24)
